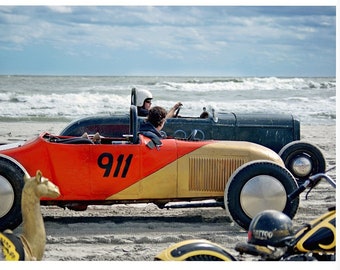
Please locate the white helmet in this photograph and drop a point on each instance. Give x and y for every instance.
(142, 95)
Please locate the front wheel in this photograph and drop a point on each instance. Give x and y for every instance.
(257, 186)
(11, 185)
(302, 160)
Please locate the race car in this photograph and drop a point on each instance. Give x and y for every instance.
(279, 132)
(243, 177)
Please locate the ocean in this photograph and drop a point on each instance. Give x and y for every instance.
(66, 98)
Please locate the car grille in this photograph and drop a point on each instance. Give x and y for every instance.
(211, 174)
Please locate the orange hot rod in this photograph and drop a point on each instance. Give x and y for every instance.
(243, 177)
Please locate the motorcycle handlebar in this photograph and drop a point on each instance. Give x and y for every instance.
(313, 181)
(298, 191)
(319, 176)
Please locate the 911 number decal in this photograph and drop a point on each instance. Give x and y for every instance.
(106, 161)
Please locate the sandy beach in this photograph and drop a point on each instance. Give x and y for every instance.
(247, 65)
(139, 232)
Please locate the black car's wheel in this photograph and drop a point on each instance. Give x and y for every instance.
(258, 186)
(302, 160)
(11, 185)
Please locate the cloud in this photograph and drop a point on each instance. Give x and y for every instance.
(195, 34)
(60, 9)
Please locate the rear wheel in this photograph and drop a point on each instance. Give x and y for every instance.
(257, 186)
(302, 160)
(11, 185)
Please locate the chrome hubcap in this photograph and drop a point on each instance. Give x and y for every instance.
(6, 196)
(301, 166)
(262, 192)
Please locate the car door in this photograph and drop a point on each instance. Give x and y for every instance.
(153, 178)
(113, 168)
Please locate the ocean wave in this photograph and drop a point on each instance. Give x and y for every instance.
(40, 118)
(324, 115)
(198, 81)
(256, 83)
(51, 98)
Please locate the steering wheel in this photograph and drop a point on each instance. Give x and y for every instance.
(163, 133)
(177, 111)
(192, 135)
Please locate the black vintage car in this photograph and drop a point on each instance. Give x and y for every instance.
(279, 132)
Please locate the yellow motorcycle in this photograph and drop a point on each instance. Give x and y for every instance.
(270, 237)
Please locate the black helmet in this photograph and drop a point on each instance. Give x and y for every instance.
(270, 228)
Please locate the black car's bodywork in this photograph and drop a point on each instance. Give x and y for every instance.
(279, 132)
(272, 131)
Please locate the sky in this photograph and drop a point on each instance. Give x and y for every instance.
(168, 40)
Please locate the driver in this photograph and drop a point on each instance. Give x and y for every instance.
(143, 100)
